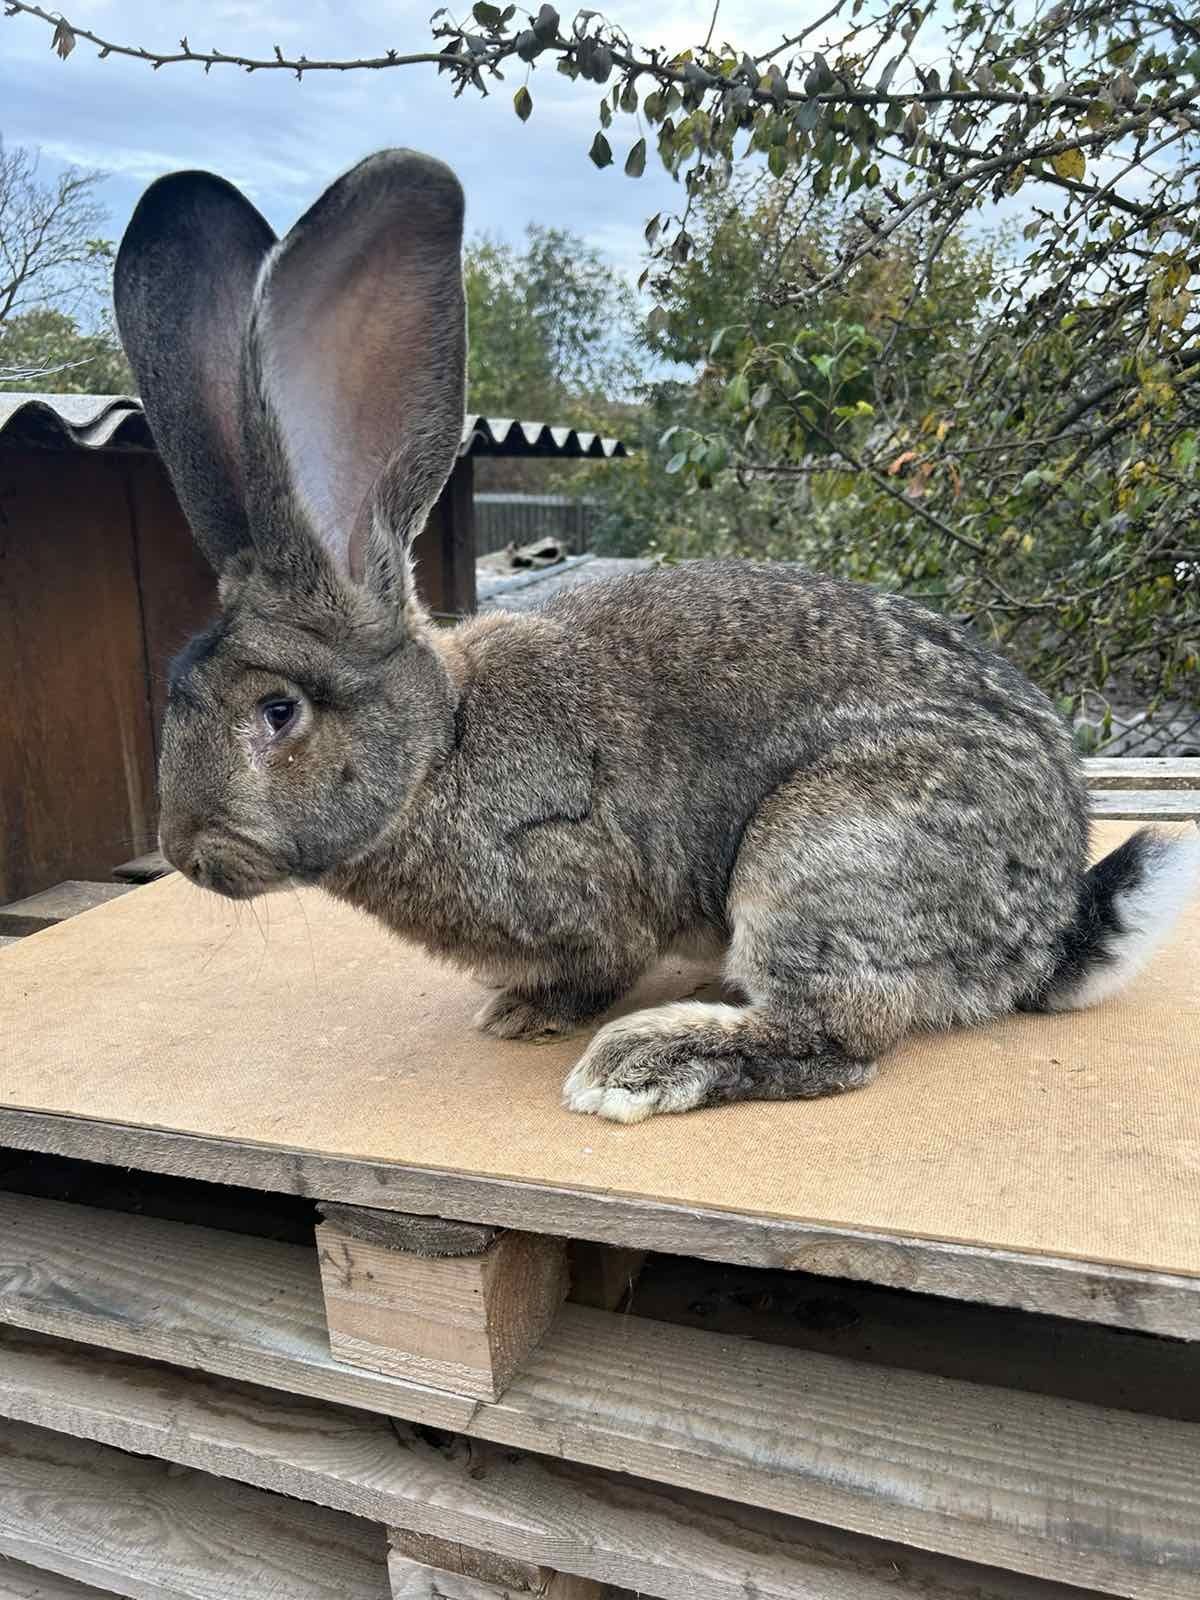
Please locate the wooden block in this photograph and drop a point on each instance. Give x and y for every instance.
(462, 1323)
(603, 1275)
(21, 1582)
(56, 905)
(157, 1532)
(402, 1230)
(488, 1574)
(143, 869)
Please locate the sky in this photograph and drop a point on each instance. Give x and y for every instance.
(283, 141)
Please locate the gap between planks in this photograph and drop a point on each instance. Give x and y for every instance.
(595, 1525)
(1053, 1487)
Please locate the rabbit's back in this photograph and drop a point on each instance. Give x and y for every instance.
(614, 749)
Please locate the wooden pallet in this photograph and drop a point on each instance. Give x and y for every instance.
(214, 1391)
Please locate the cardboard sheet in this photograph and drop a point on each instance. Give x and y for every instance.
(302, 1025)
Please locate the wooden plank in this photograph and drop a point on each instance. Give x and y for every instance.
(147, 1530)
(463, 1323)
(893, 1328)
(1123, 1297)
(64, 900)
(965, 1468)
(1160, 772)
(411, 1555)
(21, 1582)
(637, 1536)
(1146, 805)
(143, 869)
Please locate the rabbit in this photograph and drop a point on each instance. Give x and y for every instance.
(879, 825)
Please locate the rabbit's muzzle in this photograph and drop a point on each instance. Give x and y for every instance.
(227, 864)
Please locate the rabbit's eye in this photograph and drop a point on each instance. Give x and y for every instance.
(279, 714)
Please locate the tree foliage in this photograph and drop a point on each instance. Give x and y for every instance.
(550, 327)
(54, 274)
(1011, 428)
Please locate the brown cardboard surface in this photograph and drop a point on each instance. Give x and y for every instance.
(300, 1024)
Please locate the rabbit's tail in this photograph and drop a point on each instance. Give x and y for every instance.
(1128, 904)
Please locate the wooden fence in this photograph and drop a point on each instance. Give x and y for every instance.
(504, 519)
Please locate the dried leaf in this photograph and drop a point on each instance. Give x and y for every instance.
(1070, 164)
(523, 103)
(63, 41)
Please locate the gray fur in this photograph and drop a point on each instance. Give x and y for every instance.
(881, 824)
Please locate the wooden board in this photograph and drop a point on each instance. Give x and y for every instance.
(965, 1467)
(1137, 772)
(21, 1582)
(177, 1032)
(1023, 1494)
(64, 900)
(75, 720)
(150, 1531)
(1146, 805)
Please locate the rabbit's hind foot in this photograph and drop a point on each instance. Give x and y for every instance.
(691, 1054)
(539, 1016)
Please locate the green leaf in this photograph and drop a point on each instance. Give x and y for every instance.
(601, 151)
(635, 161)
(523, 103)
(777, 161)
(487, 16)
(716, 341)
(677, 462)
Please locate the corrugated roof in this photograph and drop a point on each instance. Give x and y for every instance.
(106, 421)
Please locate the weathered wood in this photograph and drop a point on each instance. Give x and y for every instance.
(1123, 1297)
(892, 1328)
(963, 1467)
(444, 550)
(399, 1230)
(152, 1532)
(143, 869)
(603, 1275)
(491, 1574)
(642, 1536)
(1146, 805)
(21, 1582)
(1160, 772)
(73, 666)
(65, 900)
(462, 1323)
(412, 1581)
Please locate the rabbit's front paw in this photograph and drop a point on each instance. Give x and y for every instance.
(638, 1067)
(512, 1015)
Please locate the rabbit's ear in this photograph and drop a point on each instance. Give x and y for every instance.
(357, 349)
(183, 287)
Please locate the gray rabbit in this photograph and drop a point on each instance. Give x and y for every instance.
(878, 824)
